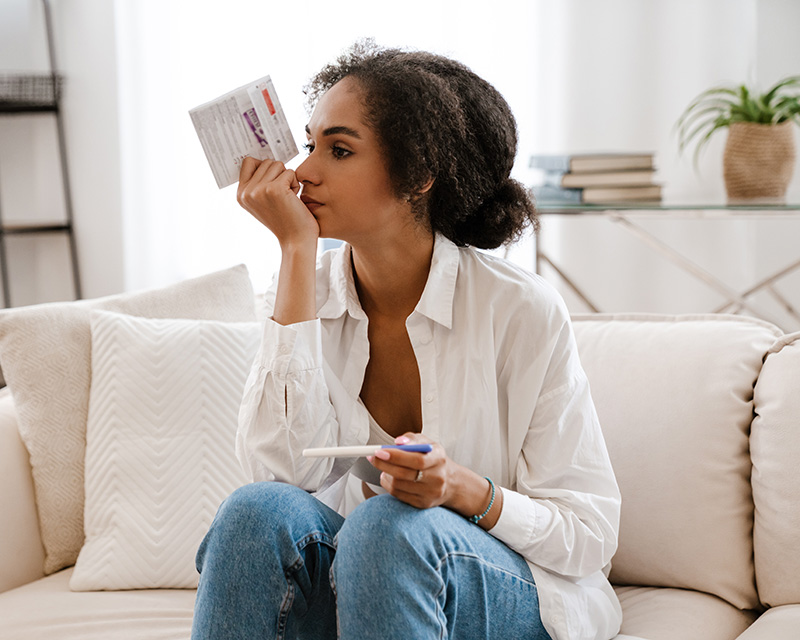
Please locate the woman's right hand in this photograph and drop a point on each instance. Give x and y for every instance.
(268, 190)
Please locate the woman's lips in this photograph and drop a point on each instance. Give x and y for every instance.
(312, 204)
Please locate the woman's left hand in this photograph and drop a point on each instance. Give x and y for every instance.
(422, 480)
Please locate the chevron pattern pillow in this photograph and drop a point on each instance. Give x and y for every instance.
(160, 459)
(45, 356)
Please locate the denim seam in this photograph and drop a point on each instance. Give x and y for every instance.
(451, 554)
(286, 606)
(332, 582)
(439, 610)
(316, 536)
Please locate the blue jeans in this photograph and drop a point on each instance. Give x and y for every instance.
(277, 563)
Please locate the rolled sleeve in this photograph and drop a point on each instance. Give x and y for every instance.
(286, 408)
(291, 348)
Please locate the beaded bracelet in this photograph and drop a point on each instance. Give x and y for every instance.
(476, 519)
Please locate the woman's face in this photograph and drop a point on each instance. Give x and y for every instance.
(346, 185)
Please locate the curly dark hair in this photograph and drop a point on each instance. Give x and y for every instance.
(436, 119)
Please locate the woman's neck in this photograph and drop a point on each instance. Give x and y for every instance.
(390, 276)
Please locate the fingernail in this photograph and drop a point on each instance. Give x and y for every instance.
(369, 459)
(402, 440)
(382, 454)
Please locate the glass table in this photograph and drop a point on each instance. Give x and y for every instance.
(630, 215)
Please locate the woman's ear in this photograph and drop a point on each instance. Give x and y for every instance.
(420, 194)
(426, 187)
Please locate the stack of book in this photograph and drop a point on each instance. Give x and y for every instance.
(595, 178)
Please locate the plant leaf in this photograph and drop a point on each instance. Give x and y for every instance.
(786, 108)
(709, 97)
(744, 94)
(791, 82)
(717, 125)
(719, 108)
(765, 111)
(711, 124)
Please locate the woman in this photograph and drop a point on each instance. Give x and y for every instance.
(407, 334)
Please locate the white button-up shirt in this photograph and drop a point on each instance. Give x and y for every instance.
(503, 392)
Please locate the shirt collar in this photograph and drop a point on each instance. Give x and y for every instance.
(436, 302)
(342, 294)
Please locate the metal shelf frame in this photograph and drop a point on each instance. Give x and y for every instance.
(28, 106)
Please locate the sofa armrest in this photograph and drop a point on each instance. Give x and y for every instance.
(21, 552)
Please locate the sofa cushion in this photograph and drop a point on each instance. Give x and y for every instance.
(48, 609)
(160, 445)
(44, 350)
(775, 449)
(675, 400)
(671, 614)
(780, 623)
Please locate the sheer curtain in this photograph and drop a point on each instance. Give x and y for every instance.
(176, 54)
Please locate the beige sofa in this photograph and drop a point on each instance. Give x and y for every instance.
(702, 419)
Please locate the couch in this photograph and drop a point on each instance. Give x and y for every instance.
(702, 419)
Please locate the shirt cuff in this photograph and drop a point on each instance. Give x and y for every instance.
(291, 348)
(517, 521)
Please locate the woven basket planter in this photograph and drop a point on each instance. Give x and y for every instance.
(759, 160)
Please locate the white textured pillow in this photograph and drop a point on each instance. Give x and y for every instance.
(45, 354)
(160, 456)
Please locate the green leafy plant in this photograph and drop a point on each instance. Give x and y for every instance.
(720, 107)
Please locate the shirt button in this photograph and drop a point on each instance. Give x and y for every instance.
(426, 340)
(284, 349)
(429, 398)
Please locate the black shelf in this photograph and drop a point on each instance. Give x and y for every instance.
(38, 93)
(27, 107)
(24, 229)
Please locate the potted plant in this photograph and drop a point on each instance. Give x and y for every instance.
(760, 152)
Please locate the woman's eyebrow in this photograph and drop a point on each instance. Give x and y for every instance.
(330, 131)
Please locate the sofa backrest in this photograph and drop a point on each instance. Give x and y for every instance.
(675, 399)
(775, 449)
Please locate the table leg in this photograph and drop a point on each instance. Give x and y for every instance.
(690, 267)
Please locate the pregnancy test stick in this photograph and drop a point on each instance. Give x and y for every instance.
(357, 452)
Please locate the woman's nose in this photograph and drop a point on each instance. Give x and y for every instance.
(305, 172)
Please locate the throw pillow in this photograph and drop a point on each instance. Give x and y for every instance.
(44, 351)
(160, 456)
(675, 399)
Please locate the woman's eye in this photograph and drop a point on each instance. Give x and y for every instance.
(337, 151)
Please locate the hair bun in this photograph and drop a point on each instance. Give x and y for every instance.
(509, 207)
